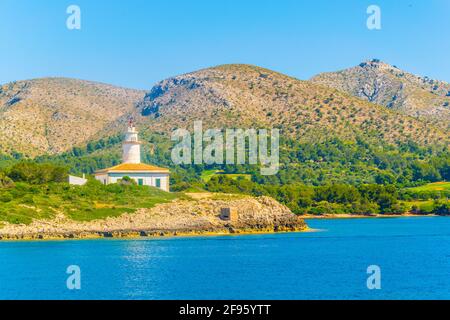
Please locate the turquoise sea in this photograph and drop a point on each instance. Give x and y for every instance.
(413, 254)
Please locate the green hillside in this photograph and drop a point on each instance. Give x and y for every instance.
(30, 191)
(209, 174)
(436, 186)
(338, 154)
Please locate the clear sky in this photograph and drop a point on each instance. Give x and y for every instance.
(135, 43)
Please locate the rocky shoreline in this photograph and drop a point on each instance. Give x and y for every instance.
(198, 216)
(362, 216)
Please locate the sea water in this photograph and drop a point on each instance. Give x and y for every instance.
(413, 256)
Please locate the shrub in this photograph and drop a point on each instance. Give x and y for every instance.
(6, 197)
(35, 173)
(441, 208)
(5, 181)
(127, 181)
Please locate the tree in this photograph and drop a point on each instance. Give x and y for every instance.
(441, 208)
(35, 173)
(126, 180)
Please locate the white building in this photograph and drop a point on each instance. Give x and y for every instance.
(143, 174)
(77, 181)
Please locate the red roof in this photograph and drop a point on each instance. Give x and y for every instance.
(134, 167)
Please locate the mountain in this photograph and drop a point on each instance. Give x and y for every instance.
(249, 96)
(51, 115)
(389, 86)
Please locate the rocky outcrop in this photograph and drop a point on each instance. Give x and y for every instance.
(245, 96)
(389, 86)
(51, 115)
(182, 217)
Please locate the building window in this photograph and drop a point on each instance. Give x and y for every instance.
(141, 182)
(158, 183)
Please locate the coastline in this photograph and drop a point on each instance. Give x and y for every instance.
(199, 217)
(363, 216)
(142, 235)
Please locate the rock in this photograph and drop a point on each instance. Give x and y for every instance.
(262, 214)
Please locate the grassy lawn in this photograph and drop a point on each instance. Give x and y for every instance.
(24, 202)
(436, 186)
(423, 205)
(208, 174)
(426, 205)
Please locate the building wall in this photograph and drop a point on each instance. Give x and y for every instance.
(77, 181)
(103, 178)
(149, 179)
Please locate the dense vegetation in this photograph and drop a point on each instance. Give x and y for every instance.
(335, 198)
(333, 176)
(330, 161)
(339, 154)
(29, 190)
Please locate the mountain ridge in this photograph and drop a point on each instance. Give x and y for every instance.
(381, 83)
(52, 115)
(251, 95)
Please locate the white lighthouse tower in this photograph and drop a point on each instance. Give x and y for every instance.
(143, 174)
(131, 145)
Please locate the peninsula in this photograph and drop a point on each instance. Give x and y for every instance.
(196, 214)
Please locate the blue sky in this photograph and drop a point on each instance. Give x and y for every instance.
(136, 43)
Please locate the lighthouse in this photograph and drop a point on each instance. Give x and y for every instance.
(131, 147)
(131, 167)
